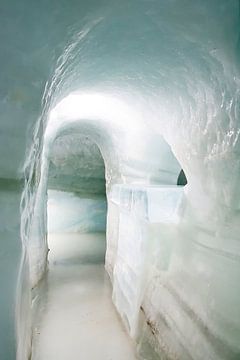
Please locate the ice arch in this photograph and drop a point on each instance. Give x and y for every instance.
(158, 223)
(102, 118)
(76, 187)
(76, 165)
(175, 77)
(133, 156)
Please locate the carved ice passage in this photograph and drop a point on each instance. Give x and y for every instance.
(141, 98)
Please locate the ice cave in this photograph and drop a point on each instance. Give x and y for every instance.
(119, 180)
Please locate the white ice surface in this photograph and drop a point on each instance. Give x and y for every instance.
(68, 212)
(168, 268)
(155, 84)
(77, 317)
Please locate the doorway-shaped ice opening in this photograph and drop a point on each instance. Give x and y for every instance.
(139, 175)
(76, 291)
(76, 205)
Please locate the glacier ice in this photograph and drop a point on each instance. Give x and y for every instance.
(133, 92)
(71, 213)
(10, 251)
(77, 303)
(162, 239)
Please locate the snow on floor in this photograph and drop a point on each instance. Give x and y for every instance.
(77, 320)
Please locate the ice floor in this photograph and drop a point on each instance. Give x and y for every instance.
(77, 320)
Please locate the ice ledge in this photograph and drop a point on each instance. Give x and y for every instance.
(155, 204)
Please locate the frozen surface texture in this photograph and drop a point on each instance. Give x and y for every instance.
(168, 276)
(10, 250)
(76, 164)
(76, 316)
(70, 213)
(155, 86)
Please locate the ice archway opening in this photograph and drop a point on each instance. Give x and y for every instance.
(175, 236)
(150, 230)
(138, 162)
(132, 156)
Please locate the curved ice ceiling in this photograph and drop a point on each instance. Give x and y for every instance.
(76, 165)
(173, 64)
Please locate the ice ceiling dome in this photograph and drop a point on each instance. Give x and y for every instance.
(175, 66)
(134, 91)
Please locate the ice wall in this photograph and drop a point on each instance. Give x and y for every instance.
(10, 250)
(76, 164)
(76, 186)
(70, 213)
(156, 86)
(168, 280)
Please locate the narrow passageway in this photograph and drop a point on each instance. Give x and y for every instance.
(78, 320)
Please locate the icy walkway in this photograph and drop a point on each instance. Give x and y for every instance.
(78, 320)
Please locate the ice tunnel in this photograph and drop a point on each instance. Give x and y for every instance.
(119, 176)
